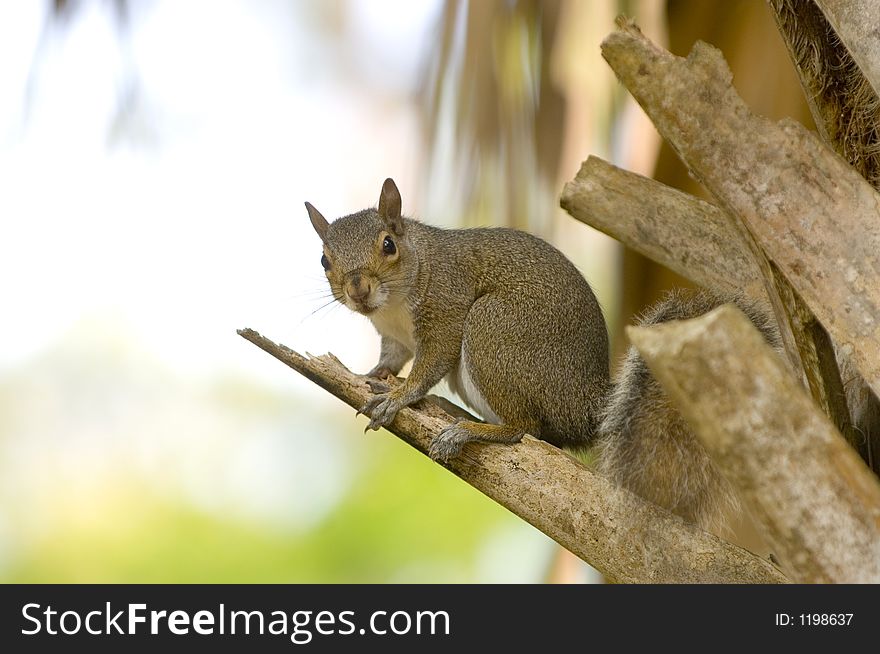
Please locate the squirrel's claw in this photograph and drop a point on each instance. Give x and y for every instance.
(381, 389)
(381, 410)
(372, 403)
(448, 443)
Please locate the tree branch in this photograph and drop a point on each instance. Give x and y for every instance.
(790, 197)
(692, 237)
(818, 503)
(846, 111)
(695, 239)
(555, 493)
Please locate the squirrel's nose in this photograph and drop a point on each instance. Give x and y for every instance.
(358, 288)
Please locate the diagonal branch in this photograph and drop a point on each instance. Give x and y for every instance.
(692, 237)
(846, 111)
(555, 493)
(818, 503)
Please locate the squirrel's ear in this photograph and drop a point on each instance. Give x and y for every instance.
(389, 206)
(318, 221)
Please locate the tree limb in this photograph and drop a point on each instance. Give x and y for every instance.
(818, 503)
(692, 237)
(788, 194)
(549, 489)
(846, 111)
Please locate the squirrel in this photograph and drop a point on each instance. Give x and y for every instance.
(518, 334)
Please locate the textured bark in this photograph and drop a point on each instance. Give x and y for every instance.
(691, 237)
(818, 503)
(788, 194)
(856, 23)
(557, 494)
(687, 235)
(744, 31)
(846, 111)
(818, 358)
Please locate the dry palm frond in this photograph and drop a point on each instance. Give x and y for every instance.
(492, 111)
(844, 105)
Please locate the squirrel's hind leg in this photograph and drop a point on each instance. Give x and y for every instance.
(448, 443)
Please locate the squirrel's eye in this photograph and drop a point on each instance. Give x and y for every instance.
(325, 262)
(388, 246)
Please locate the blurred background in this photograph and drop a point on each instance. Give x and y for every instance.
(154, 158)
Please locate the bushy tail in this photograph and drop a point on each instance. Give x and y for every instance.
(645, 445)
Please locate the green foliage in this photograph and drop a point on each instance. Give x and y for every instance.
(403, 519)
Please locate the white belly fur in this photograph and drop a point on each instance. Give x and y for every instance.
(394, 321)
(463, 386)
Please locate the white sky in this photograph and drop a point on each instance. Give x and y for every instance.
(193, 225)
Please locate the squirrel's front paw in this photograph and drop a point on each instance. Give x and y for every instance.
(381, 410)
(448, 443)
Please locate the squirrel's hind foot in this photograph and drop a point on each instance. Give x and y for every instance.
(450, 441)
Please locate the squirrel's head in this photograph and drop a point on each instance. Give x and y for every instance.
(366, 254)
